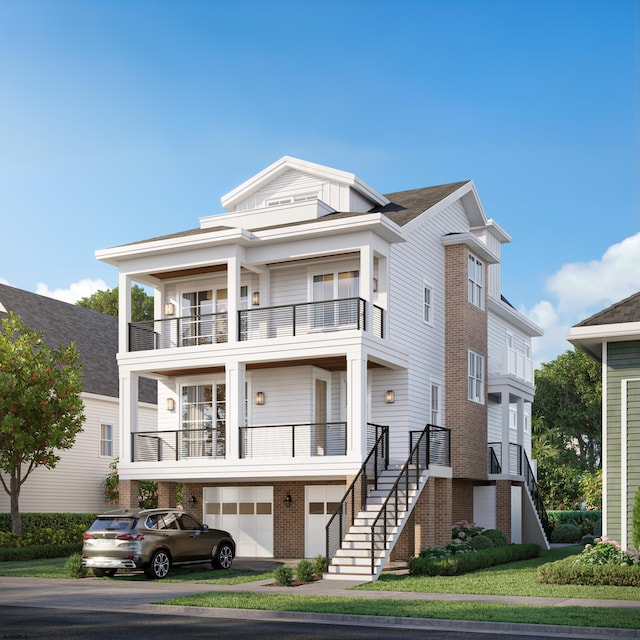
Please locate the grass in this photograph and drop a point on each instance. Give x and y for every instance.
(513, 579)
(432, 609)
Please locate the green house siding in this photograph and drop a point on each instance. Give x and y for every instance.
(623, 417)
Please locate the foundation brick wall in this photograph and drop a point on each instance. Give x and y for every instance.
(167, 494)
(466, 328)
(503, 507)
(128, 494)
(462, 507)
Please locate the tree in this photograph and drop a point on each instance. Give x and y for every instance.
(567, 409)
(106, 301)
(40, 407)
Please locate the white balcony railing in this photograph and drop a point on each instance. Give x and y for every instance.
(507, 361)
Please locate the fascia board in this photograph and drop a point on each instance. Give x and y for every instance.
(116, 255)
(515, 318)
(618, 332)
(230, 199)
(473, 244)
(496, 230)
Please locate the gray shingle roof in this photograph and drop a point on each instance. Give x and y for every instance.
(627, 310)
(95, 335)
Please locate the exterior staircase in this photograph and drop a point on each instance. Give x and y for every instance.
(364, 529)
(368, 543)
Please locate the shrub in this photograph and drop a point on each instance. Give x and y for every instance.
(74, 566)
(588, 539)
(319, 566)
(35, 552)
(304, 571)
(464, 530)
(481, 542)
(283, 576)
(567, 571)
(497, 537)
(463, 563)
(586, 520)
(566, 533)
(605, 552)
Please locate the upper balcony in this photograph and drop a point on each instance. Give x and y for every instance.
(257, 324)
(507, 361)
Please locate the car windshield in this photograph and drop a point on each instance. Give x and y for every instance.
(115, 523)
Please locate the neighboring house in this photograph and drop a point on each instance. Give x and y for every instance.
(292, 330)
(612, 336)
(75, 485)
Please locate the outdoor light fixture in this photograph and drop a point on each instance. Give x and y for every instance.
(255, 299)
(192, 499)
(288, 500)
(171, 404)
(375, 285)
(390, 396)
(169, 308)
(260, 398)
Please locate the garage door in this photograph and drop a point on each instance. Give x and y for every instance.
(246, 513)
(321, 501)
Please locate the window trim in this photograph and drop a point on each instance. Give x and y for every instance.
(475, 281)
(103, 440)
(475, 377)
(427, 306)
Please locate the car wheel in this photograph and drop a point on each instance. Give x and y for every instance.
(159, 565)
(104, 573)
(224, 557)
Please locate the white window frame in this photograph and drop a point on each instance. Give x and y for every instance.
(436, 411)
(106, 440)
(475, 269)
(475, 392)
(427, 303)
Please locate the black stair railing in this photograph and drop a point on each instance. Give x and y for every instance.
(534, 492)
(398, 499)
(356, 495)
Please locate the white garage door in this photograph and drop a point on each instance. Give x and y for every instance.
(321, 501)
(246, 513)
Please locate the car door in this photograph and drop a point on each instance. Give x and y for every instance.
(197, 544)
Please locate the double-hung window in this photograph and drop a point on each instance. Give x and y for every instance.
(476, 377)
(476, 282)
(106, 440)
(435, 404)
(427, 304)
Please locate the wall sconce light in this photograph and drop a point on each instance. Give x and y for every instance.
(375, 284)
(255, 298)
(288, 500)
(260, 398)
(171, 404)
(390, 396)
(169, 308)
(192, 499)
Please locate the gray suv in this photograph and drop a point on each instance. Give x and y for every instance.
(153, 540)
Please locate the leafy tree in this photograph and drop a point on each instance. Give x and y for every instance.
(567, 410)
(40, 407)
(106, 301)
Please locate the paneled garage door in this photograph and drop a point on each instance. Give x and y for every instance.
(246, 513)
(321, 501)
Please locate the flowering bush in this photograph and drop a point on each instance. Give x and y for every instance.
(464, 530)
(605, 551)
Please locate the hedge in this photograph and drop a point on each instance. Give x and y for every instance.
(37, 552)
(590, 522)
(460, 563)
(35, 521)
(566, 571)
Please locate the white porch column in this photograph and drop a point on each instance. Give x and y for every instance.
(128, 413)
(124, 311)
(366, 283)
(233, 297)
(506, 435)
(235, 383)
(520, 423)
(357, 404)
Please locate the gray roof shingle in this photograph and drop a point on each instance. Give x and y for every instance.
(95, 335)
(627, 310)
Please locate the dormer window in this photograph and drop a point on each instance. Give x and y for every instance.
(305, 197)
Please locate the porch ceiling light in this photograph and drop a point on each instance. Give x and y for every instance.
(260, 398)
(169, 308)
(255, 298)
(171, 404)
(390, 396)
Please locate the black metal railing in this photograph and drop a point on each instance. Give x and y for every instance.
(291, 440)
(305, 318)
(158, 446)
(438, 444)
(378, 321)
(356, 495)
(186, 331)
(398, 500)
(518, 464)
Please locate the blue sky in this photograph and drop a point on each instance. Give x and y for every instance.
(123, 120)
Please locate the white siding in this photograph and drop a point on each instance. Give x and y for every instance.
(288, 184)
(76, 483)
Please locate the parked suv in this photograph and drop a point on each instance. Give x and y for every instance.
(153, 540)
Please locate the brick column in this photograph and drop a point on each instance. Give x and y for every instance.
(128, 494)
(167, 494)
(503, 507)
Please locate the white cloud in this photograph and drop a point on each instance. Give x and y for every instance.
(76, 290)
(581, 289)
(3, 280)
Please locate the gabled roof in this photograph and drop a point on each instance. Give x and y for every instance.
(95, 335)
(627, 310)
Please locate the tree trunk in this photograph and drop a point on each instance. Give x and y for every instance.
(16, 521)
